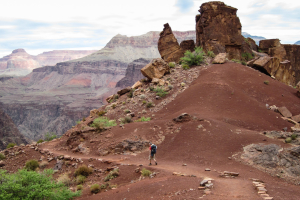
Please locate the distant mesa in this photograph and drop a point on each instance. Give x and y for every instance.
(19, 51)
(298, 43)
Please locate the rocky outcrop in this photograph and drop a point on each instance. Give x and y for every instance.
(273, 48)
(218, 29)
(293, 55)
(133, 72)
(156, 69)
(187, 45)
(168, 46)
(251, 43)
(9, 132)
(20, 63)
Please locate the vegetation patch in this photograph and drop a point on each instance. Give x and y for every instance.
(160, 92)
(144, 119)
(294, 136)
(211, 54)
(95, 188)
(83, 170)
(32, 165)
(193, 58)
(2, 156)
(40, 141)
(103, 122)
(49, 136)
(266, 82)
(80, 179)
(32, 185)
(130, 93)
(111, 175)
(247, 56)
(126, 120)
(146, 172)
(171, 64)
(149, 105)
(79, 187)
(101, 113)
(11, 145)
(64, 178)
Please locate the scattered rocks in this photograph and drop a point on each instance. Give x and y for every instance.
(124, 91)
(184, 117)
(285, 112)
(2, 164)
(137, 85)
(227, 174)
(261, 189)
(219, 59)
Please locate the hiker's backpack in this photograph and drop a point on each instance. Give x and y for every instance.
(153, 149)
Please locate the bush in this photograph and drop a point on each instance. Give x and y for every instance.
(101, 113)
(2, 156)
(142, 96)
(64, 178)
(112, 174)
(170, 87)
(288, 140)
(49, 136)
(114, 106)
(80, 179)
(32, 185)
(149, 105)
(127, 111)
(247, 56)
(211, 54)
(126, 120)
(151, 88)
(171, 64)
(83, 170)
(146, 172)
(83, 119)
(79, 187)
(243, 63)
(294, 136)
(266, 82)
(31, 165)
(130, 94)
(95, 188)
(236, 61)
(185, 67)
(40, 141)
(144, 119)
(78, 122)
(103, 122)
(160, 92)
(144, 102)
(193, 58)
(11, 145)
(104, 186)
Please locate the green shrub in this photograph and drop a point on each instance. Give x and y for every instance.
(193, 58)
(294, 136)
(80, 179)
(243, 63)
(170, 87)
(126, 120)
(142, 90)
(171, 64)
(288, 140)
(151, 88)
(40, 141)
(49, 136)
(101, 113)
(104, 186)
(160, 92)
(247, 56)
(185, 67)
(236, 61)
(79, 187)
(83, 119)
(266, 82)
(142, 96)
(95, 188)
(83, 170)
(144, 119)
(114, 106)
(29, 185)
(11, 145)
(123, 102)
(78, 122)
(31, 165)
(64, 178)
(211, 54)
(146, 172)
(144, 102)
(260, 51)
(130, 94)
(102, 122)
(149, 105)
(112, 174)
(2, 156)
(126, 111)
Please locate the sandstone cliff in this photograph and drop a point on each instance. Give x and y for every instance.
(20, 63)
(9, 132)
(293, 55)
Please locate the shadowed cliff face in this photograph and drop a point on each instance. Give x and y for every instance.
(9, 132)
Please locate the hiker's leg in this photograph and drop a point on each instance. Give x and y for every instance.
(150, 158)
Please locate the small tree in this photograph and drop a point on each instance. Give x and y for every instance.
(193, 58)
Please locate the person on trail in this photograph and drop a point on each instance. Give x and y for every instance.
(152, 148)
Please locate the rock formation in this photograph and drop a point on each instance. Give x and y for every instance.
(9, 132)
(293, 55)
(273, 48)
(133, 72)
(168, 46)
(156, 69)
(218, 29)
(187, 45)
(20, 63)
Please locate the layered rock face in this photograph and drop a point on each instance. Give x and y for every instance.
(168, 46)
(53, 98)
(133, 73)
(293, 55)
(218, 29)
(20, 63)
(9, 132)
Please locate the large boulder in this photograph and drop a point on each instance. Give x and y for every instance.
(218, 29)
(187, 45)
(274, 48)
(156, 69)
(220, 58)
(251, 43)
(168, 46)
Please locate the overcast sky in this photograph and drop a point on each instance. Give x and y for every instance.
(39, 25)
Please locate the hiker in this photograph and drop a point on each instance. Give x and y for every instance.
(152, 148)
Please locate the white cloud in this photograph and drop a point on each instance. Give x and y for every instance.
(91, 24)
